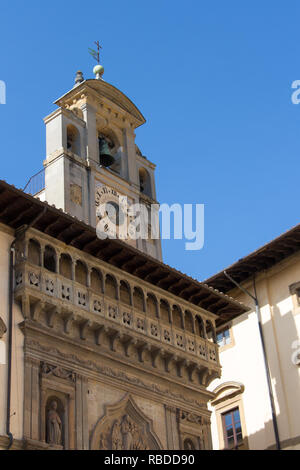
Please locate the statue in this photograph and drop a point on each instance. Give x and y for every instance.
(127, 432)
(133, 438)
(54, 425)
(116, 436)
(102, 442)
(188, 445)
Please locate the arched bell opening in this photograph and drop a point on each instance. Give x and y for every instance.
(73, 139)
(145, 182)
(109, 150)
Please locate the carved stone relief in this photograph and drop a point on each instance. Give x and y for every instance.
(193, 418)
(76, 194)
(124, 427)
(56, 371)
(119, 375)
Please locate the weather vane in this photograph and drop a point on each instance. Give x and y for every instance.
(96, 54)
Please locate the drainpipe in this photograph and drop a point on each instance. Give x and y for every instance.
(10, 326)
(263, 344)
(9, 359)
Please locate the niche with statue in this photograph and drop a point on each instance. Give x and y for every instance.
(57, 406)
(55, 422)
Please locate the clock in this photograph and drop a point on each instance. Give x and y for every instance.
(111, 211)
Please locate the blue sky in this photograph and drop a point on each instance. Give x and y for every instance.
(213, 80)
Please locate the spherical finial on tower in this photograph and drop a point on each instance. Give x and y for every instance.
(98, 71)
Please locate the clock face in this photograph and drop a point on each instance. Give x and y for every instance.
(111, 210)
(114, 212)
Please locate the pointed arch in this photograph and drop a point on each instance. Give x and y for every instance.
(111, 432)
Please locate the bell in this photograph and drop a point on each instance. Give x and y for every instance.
(106, 158)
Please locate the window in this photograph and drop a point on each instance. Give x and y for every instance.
(223, 337)
(232, 428)
(295, 293)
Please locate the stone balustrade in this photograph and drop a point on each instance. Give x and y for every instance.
(85, 303)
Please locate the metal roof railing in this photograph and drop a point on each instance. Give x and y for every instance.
(36, 183)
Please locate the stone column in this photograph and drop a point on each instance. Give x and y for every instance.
(129, 145)
(74, 261)
(89, 272)
(43, 411)
(171, 428)
(35, 390)
(31, 398)
(78, 404)
(71, 428)
(89, 116)
(82, 436)
(85, 425)
(27, 399)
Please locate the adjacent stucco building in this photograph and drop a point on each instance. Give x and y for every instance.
(274, 270)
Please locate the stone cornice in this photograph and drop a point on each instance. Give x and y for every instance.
(102, 93)
(65, 112)
(94, 369)
(32, 328)
(145, 162)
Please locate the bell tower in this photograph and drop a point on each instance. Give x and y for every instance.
(91, 155)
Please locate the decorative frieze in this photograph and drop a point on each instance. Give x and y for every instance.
(33, 345)
(56, 371)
